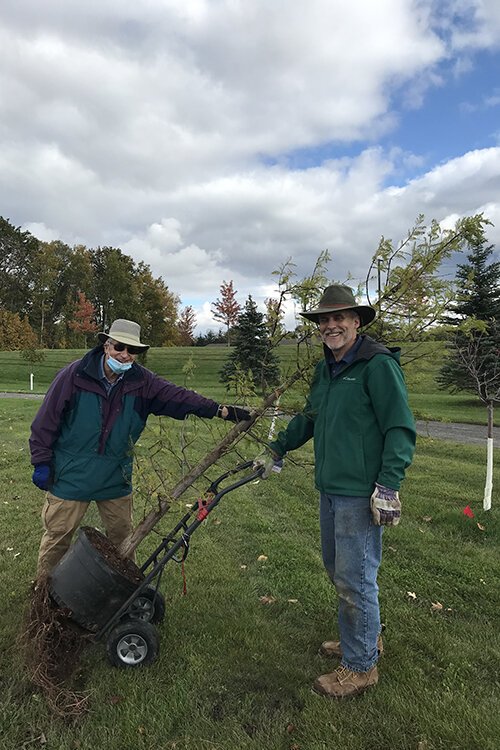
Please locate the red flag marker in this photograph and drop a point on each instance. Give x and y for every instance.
(468, 512)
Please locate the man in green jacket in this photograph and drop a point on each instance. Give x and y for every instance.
(364, 438)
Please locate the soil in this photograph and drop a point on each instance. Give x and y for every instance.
(52, 646)
(53, 642)
(127, 568)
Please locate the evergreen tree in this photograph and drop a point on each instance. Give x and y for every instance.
(478, 299)
(252, 352)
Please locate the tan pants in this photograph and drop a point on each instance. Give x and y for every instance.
(61, 518)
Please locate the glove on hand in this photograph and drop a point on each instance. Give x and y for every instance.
(271, 462)
(234, 413)
(385, 506)
(41, 476)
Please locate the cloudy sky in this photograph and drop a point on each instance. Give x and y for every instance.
(215, 139)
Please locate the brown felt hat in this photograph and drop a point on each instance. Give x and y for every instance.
(338, 297)
(126, 332)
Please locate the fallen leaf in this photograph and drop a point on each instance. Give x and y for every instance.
(141, 730)
(392, 549)
(436, 607)
(291, 728)
(411, 594)
(481, 527)
(468, 511)
(243, 567)
(427, 519)
(262, 558)
(217, 522)
(267, 599)
(115, 699)
(293, 601)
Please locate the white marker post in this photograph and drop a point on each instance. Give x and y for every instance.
(488, 487)
(32, 380)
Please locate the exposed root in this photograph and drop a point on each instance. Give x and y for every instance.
(52, 646)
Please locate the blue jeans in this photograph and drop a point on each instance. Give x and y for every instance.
(352, 552)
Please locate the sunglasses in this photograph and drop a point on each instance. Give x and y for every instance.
(119, 347)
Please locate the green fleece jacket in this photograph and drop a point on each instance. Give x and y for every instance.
(361, 423)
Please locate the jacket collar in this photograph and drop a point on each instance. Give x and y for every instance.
(89, 367)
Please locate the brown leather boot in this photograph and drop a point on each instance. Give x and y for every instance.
(344, 683)
(332, 648)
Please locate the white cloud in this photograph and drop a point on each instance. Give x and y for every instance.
(168, 129)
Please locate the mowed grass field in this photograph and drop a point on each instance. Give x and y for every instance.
(421, 364)
(238, 653)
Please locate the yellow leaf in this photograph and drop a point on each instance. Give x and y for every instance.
(267, 599)
(480, 527)
(293, 601)
(411, 594)
(262, 558)
(436, 607)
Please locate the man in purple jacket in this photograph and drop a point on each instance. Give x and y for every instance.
(83, 435)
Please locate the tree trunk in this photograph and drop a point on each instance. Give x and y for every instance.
(143, 529)
(488, 487)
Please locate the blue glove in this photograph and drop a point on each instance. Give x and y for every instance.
(41, 476)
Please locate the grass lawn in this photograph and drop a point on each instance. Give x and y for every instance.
(426, 400)
(234, 673)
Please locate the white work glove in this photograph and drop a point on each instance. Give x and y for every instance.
(385, 506)
(271, 462)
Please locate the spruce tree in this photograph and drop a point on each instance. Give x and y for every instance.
(252, 352)
(478, 299)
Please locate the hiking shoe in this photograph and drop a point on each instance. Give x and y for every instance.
(344, 683)
(332, 648)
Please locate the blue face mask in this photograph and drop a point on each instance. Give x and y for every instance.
(118, 367)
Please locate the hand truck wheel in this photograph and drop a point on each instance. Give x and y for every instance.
(148, 606)
(132, 643)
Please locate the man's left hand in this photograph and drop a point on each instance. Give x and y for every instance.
(233, 413)
(385, 506)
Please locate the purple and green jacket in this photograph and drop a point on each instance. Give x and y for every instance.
(87, 437)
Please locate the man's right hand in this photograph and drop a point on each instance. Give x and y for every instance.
(271, 462)
(41, 476)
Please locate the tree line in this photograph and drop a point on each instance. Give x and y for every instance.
(56, 296)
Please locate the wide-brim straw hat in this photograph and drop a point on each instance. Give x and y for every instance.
(126, 332)
(339, 297)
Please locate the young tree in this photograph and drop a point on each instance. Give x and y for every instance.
(84, 318)
(477, 299)
(226, 308)
(403, 282)
(252, 350)
(473, 361)
(186, 325)
(477, 352)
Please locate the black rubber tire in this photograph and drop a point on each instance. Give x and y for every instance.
(149, 606)
(132, 643)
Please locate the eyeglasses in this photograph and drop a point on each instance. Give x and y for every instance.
(119, 347)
